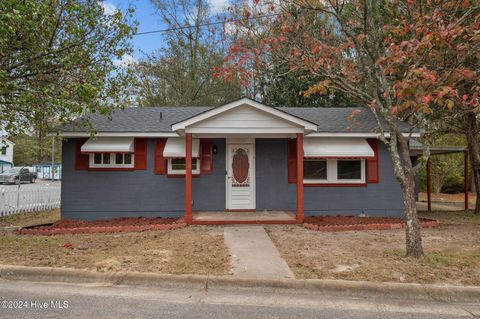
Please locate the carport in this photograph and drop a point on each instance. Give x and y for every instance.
(416, 149)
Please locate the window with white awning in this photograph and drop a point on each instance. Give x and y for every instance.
(337, 147)
(335, 160)
(175, 148)
(109, 145)
(110, 152)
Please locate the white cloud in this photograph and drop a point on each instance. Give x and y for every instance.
(218, 6)
(108, 7)
(126, 60)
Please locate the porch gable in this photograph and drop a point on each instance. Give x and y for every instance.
(244, 116)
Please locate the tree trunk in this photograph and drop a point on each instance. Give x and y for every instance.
(412, 225)
(474, 152)
(402, 164)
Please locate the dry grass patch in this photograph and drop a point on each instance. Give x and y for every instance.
(452, 252)
(191, 250)
(448, 198)
(30, 219)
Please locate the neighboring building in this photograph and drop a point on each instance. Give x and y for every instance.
(44, 170)
(245, 156)
(6, 154)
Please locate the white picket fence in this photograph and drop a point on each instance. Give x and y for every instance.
(15, 200)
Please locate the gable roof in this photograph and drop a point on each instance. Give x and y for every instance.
(4, 140)
(274, 112)
(153, 120)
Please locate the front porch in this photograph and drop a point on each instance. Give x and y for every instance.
(259, 217)
(240, 124)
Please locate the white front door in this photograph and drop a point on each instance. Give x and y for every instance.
(240, 176)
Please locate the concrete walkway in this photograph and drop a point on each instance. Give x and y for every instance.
(254, 255)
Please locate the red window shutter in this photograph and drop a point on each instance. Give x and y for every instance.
(372, 163)
(160, 162)
(140, 153)
(292, 161)
(206, 156)
(81, 160)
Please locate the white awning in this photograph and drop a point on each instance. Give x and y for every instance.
(108, 145)
(175, 147)
(337, 147)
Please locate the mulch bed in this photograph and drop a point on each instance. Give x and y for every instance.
(348, 223)
(122, 224)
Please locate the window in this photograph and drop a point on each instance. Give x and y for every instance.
(111, 160)
(177, 166)
(349, 169)
(315, 169)
(4, 150)
(333, 171)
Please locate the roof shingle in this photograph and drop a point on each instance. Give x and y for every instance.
(160, 119)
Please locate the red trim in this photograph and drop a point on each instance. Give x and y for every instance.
(206, 156)
(81, 160)
(242, 222)
(140, 153)
(160, 163)
(188, 177)
(292, 161)
(372, 174)
(241, 210)
(111, 168)
(299, 159)
(182, 175)
(336, 185)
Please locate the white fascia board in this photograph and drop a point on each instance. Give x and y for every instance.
(350, 134)
(215, 111)
(113, 134)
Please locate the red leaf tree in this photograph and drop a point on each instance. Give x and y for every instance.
(409, 61)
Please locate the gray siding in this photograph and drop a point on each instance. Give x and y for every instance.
(274, 192)
(105, 194)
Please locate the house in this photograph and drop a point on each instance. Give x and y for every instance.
(6, 154)
(239, 157)
(44, 170)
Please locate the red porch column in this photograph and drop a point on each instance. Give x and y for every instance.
(300, 213)
(188, 177)
(429, 193)
(465, 162)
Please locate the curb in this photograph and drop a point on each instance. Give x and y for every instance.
(358, 289)
(425, 223)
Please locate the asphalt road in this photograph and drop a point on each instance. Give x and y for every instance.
(99, 301)
(27, 185)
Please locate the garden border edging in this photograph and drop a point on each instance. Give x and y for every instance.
(98, 229)
(351, 227)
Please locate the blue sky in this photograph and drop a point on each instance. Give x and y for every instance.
(148, 21)
(145, 15)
